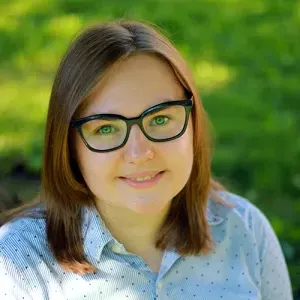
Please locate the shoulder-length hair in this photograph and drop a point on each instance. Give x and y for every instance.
(87, 62)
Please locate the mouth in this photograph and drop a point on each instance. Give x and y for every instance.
(143, 182)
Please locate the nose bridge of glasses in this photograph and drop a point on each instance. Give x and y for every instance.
(137, 145)
(135, 123)
(135, 132)
(136, 137)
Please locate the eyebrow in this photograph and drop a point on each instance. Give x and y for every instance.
(116, 113)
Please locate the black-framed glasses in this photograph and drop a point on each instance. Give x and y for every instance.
(160, 123)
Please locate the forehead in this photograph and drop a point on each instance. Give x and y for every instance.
(139, 82)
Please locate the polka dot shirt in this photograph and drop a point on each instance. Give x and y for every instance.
(247, 264)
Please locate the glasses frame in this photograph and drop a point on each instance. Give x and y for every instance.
(187, 104)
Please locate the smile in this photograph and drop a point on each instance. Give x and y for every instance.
(142, 178)
(143, 182)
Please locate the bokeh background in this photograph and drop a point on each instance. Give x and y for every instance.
(245, 56)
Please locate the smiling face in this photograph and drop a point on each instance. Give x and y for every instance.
(138, 83)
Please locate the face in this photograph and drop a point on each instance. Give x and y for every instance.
(140, 82)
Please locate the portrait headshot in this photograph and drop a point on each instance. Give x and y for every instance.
(132, 203)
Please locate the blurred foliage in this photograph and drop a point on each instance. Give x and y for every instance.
(245, 56)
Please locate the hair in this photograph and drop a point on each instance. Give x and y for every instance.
(90, 58)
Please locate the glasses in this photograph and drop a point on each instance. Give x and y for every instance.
(160, 123)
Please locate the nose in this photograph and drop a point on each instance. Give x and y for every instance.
(138, 148)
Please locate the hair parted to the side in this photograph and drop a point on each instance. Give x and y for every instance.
(87, 62)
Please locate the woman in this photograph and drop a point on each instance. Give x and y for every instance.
(128, 208)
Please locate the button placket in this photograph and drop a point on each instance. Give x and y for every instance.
(117, 249)
(159, 285)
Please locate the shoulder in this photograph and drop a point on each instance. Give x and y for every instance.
(22, 242)
(23, 251)
(22, 239)
(246, 228)
(245, 218)
(24, 229)
(243, 210)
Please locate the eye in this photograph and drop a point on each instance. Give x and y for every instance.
(105, 130)
(160, 120)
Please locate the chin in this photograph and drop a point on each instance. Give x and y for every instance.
(147, 208)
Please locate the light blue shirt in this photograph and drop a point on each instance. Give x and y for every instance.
(248, 263)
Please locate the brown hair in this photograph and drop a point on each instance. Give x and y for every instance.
(91, 56)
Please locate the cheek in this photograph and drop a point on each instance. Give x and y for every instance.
(179, 153)
(184, 144)
(95, 167)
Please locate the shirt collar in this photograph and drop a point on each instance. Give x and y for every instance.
(215, 212)
(96, 235)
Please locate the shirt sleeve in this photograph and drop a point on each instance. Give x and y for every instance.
(275, 280)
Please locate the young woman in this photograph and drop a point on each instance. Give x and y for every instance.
(128, 208)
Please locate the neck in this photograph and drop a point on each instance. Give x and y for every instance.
(134, 230)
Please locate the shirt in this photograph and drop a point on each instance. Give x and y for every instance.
(247, 264)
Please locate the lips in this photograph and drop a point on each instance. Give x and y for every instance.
(144, 183)
(133, 176)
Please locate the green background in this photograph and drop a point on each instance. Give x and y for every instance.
(245, 56)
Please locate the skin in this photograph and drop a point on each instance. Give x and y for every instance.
(135, 215)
